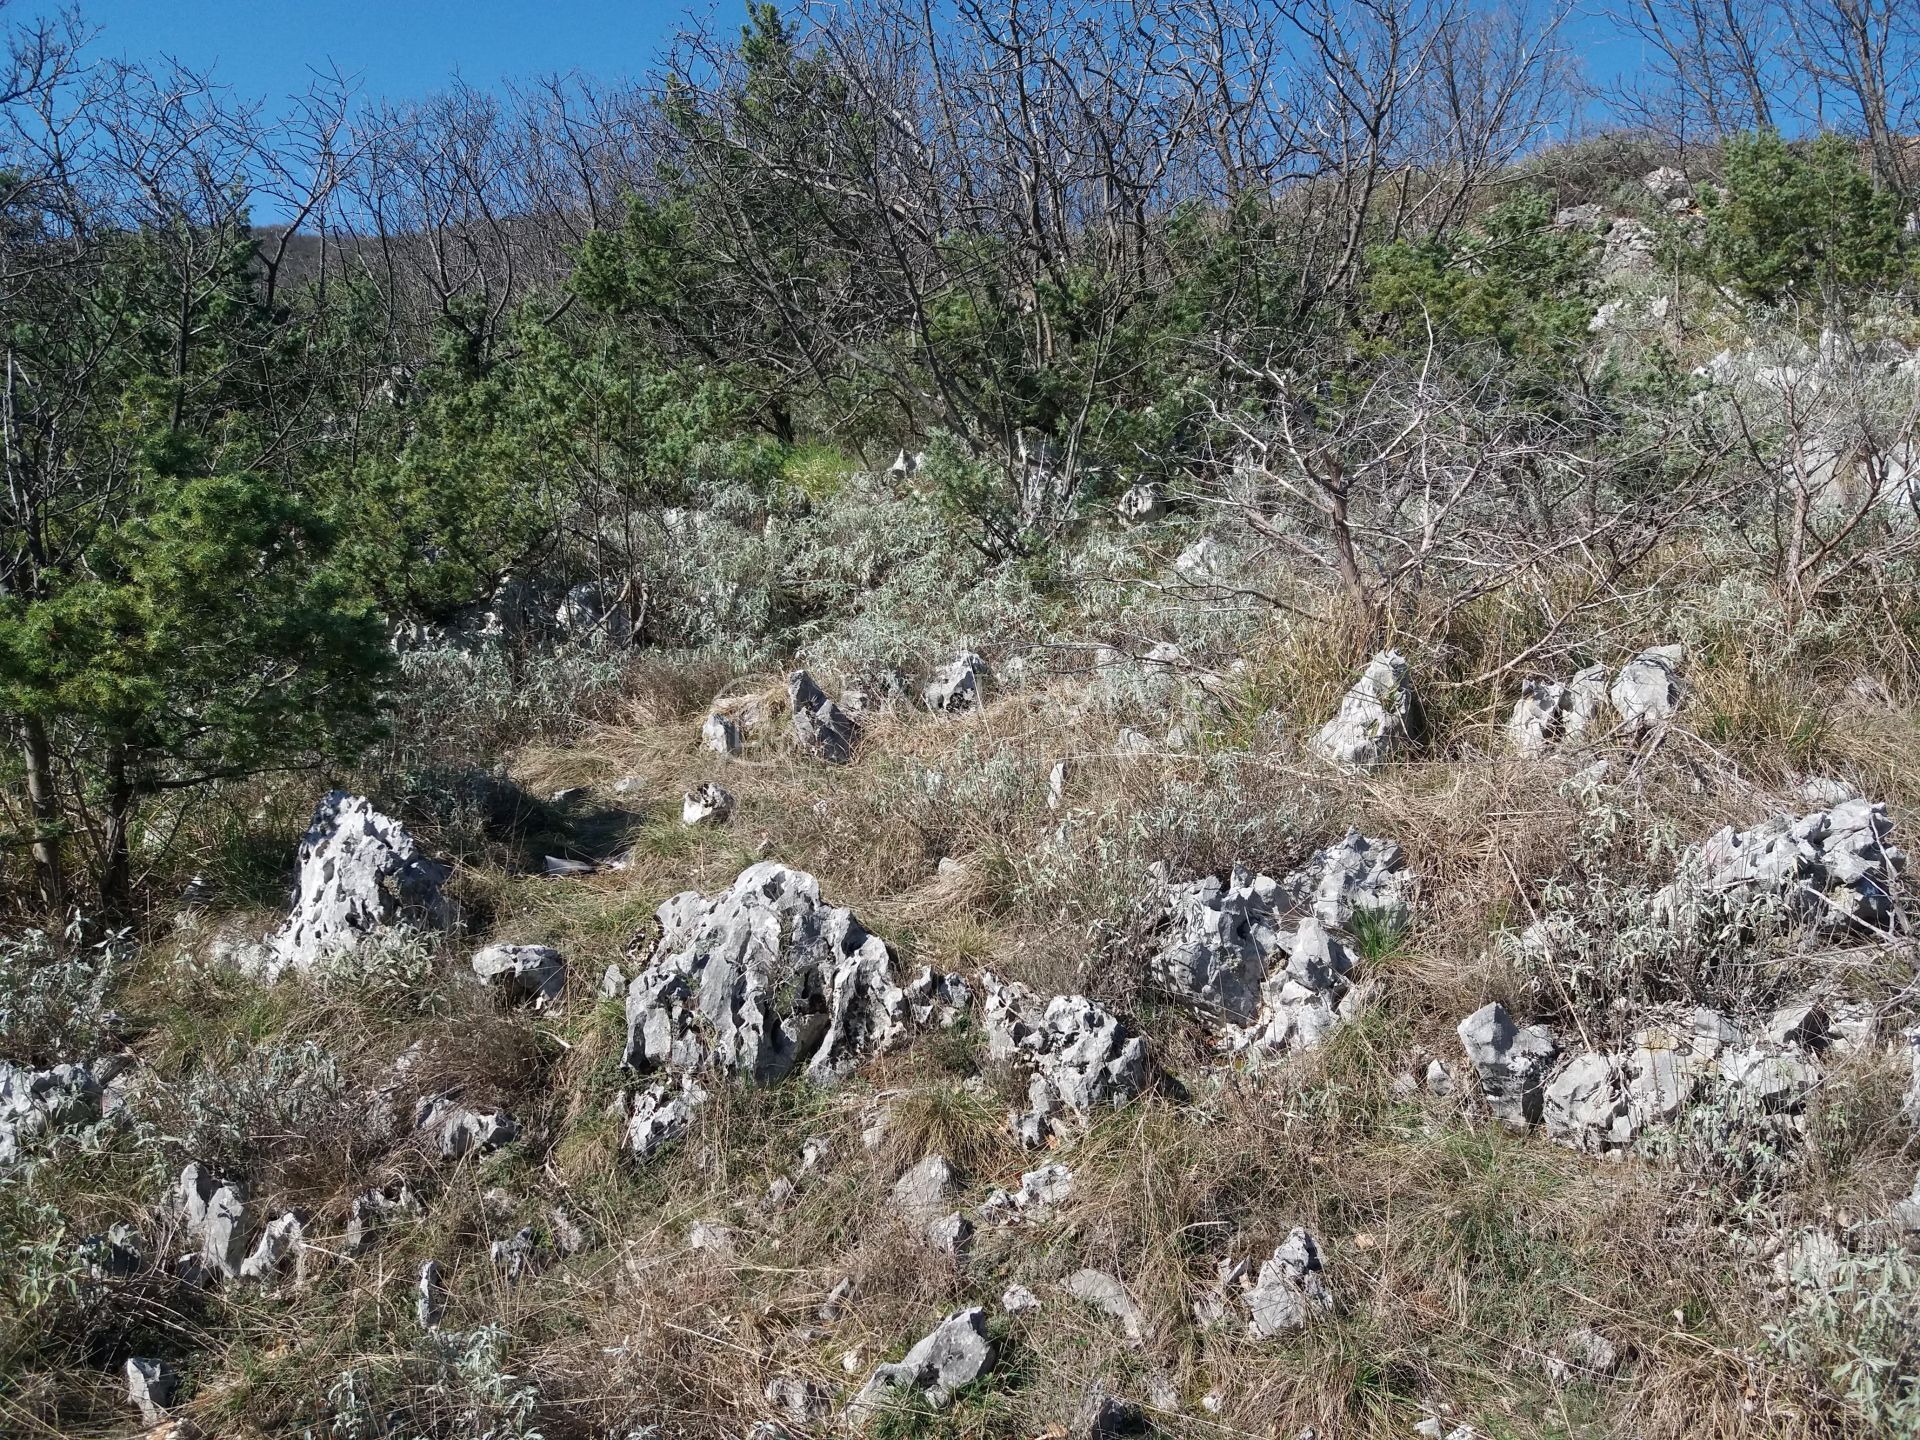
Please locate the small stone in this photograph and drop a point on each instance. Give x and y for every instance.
(712, 1238)
(800, 1400)
(954, 1354)
(956, 686)
(835, 1304)
(430, 1303)
(1647, 691)
(921, 1193)
(720, 735)
(952, 1236)
(226, 1231)
(1108, 1417)
(1376, 719)
(1512, 1063)
(523, 972)
(1141, 505)
(1105, 1293)
(819, 726)
(1289, 1290)
(1019, 1300)
(708, 804)
(284, 1238)
(152, 1387)
(1584, 1354)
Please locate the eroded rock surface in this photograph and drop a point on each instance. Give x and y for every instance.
(761, 979)
(819, 726)
(1258, 954)
(1512, 1062)
(360, 874)
(1376, 719)
(1647, 692)
(956, 686)
(1290, 1289)
(955, 1353)
(1079, 1053)
(523, 972)
(1834, 868)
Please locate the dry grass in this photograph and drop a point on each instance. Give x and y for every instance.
(1458, 1254)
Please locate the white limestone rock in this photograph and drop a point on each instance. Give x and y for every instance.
(1376, 719)
(360, 874)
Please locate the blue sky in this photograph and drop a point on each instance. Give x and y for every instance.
(266, 48)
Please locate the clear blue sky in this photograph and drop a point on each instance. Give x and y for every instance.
(265, 48)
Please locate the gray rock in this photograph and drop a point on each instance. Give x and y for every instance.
(835, 1304)
(1585, 1103)
(36, 1104)
(921, 1194)
(360, 874)
(515, 1257)
(373, 1210)
(1629, 248)
(660, 1115)
(1667, 183)
(952, 1236)
(1257, 954)
(762, 979)
(1201, 562)
(1810, 1260)
(1376, 718)
(820, 727)
(1044, 1188)
(282, 1240)
(226, 1231)
(1906, 1213)
(1103, 1416)
(523, 972)
(456, 1131)
(1512, 1063)
(1774, 1081)
(1057, 785)
(1141, 505)
(1647, 692)
(589, 613)
(720, 735)
(613, 982)
(1080, 1055)
(938, 1000)
(1578, 217)
(956, 1353)
(708, 804)
(1355, 877)
(1439, 1079)
(152, 1387)
(1549, 714)
(1584, 1354)
(1835, 868)
(430, 1296)
(1105, 1293)
(193, 1194)
(957, 685)
(1019, 1300)
(713, 1238)
(1290, 1289)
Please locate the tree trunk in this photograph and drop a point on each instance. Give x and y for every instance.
(45, 805)
(116, 866)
